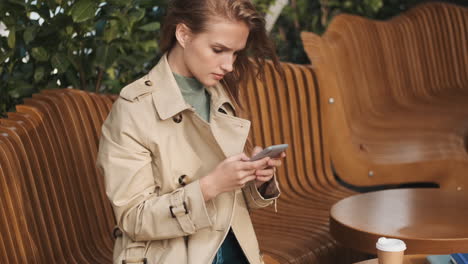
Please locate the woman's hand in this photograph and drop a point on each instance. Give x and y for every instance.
(232, 173)
(266, 173)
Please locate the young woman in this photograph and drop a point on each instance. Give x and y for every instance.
(172, 147)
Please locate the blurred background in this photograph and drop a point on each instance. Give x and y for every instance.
(103, 45)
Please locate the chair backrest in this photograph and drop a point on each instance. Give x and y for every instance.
(393, 96)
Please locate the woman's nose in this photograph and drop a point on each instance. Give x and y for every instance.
(227, 65)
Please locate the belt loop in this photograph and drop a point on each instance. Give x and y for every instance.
(179, 210)
(116, 232)
(143, 260)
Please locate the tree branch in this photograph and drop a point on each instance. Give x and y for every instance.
(273, 13)
(99, 80)
(81, 71)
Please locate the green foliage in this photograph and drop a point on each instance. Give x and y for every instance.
(262, 5)
(86, 44)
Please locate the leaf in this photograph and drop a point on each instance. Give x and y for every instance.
(52, 84)
(374, 5)
(114, 85)
(149, 45)
(21, 89)
(39, 74)
(131, 60)
(125, 23)
(18, 2)
(10, 67)
(151, 26)
(83, 10)
(25, 71)
(43, 10)
(334, 3)
(29, 34)
(105, 56)
(348, 4)
(60, 62)
(52, 4)
(5, 55)
(74, 61)
(119, 2)
(136, 15)
(12, 38)
(152, 3)
(69, 30)
(111, 73)
(111, 31)
(101, 56)
(72, 78)
(40, 54)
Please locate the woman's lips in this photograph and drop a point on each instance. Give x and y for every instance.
(218, 76)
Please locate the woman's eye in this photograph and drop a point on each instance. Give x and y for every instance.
(217, 51)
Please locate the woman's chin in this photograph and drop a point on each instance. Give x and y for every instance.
(210, 82)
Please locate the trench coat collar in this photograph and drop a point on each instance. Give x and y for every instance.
(167, 96)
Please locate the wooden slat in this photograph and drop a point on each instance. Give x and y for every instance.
(400, 91)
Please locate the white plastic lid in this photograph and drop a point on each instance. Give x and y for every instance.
(390, 244)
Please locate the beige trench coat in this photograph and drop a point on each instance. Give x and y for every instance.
(153, 150)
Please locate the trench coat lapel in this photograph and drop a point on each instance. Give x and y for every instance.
(230, 132)
(167, 97)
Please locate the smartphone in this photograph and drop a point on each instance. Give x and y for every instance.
(271, 151)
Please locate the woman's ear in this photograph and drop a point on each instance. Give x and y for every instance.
(183, 34)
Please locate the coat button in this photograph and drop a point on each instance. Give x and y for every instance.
(182, 180)
(177, 118)
(148, 83)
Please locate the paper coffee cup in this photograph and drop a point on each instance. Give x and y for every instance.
(390, 251)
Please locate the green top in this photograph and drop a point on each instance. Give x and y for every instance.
(194, 94)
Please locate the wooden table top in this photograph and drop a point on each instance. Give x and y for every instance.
(411, 259)
(430, 221)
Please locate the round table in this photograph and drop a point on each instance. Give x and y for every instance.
(430, 221)
(411, 259)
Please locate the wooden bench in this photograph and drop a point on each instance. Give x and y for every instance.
(54, 207)
(56, 210)
(394, 96)
(287, 111)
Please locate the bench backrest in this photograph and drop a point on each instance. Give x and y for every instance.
(48, 152)
(394, 95)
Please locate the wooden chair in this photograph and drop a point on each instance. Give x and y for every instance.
(393, 96)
